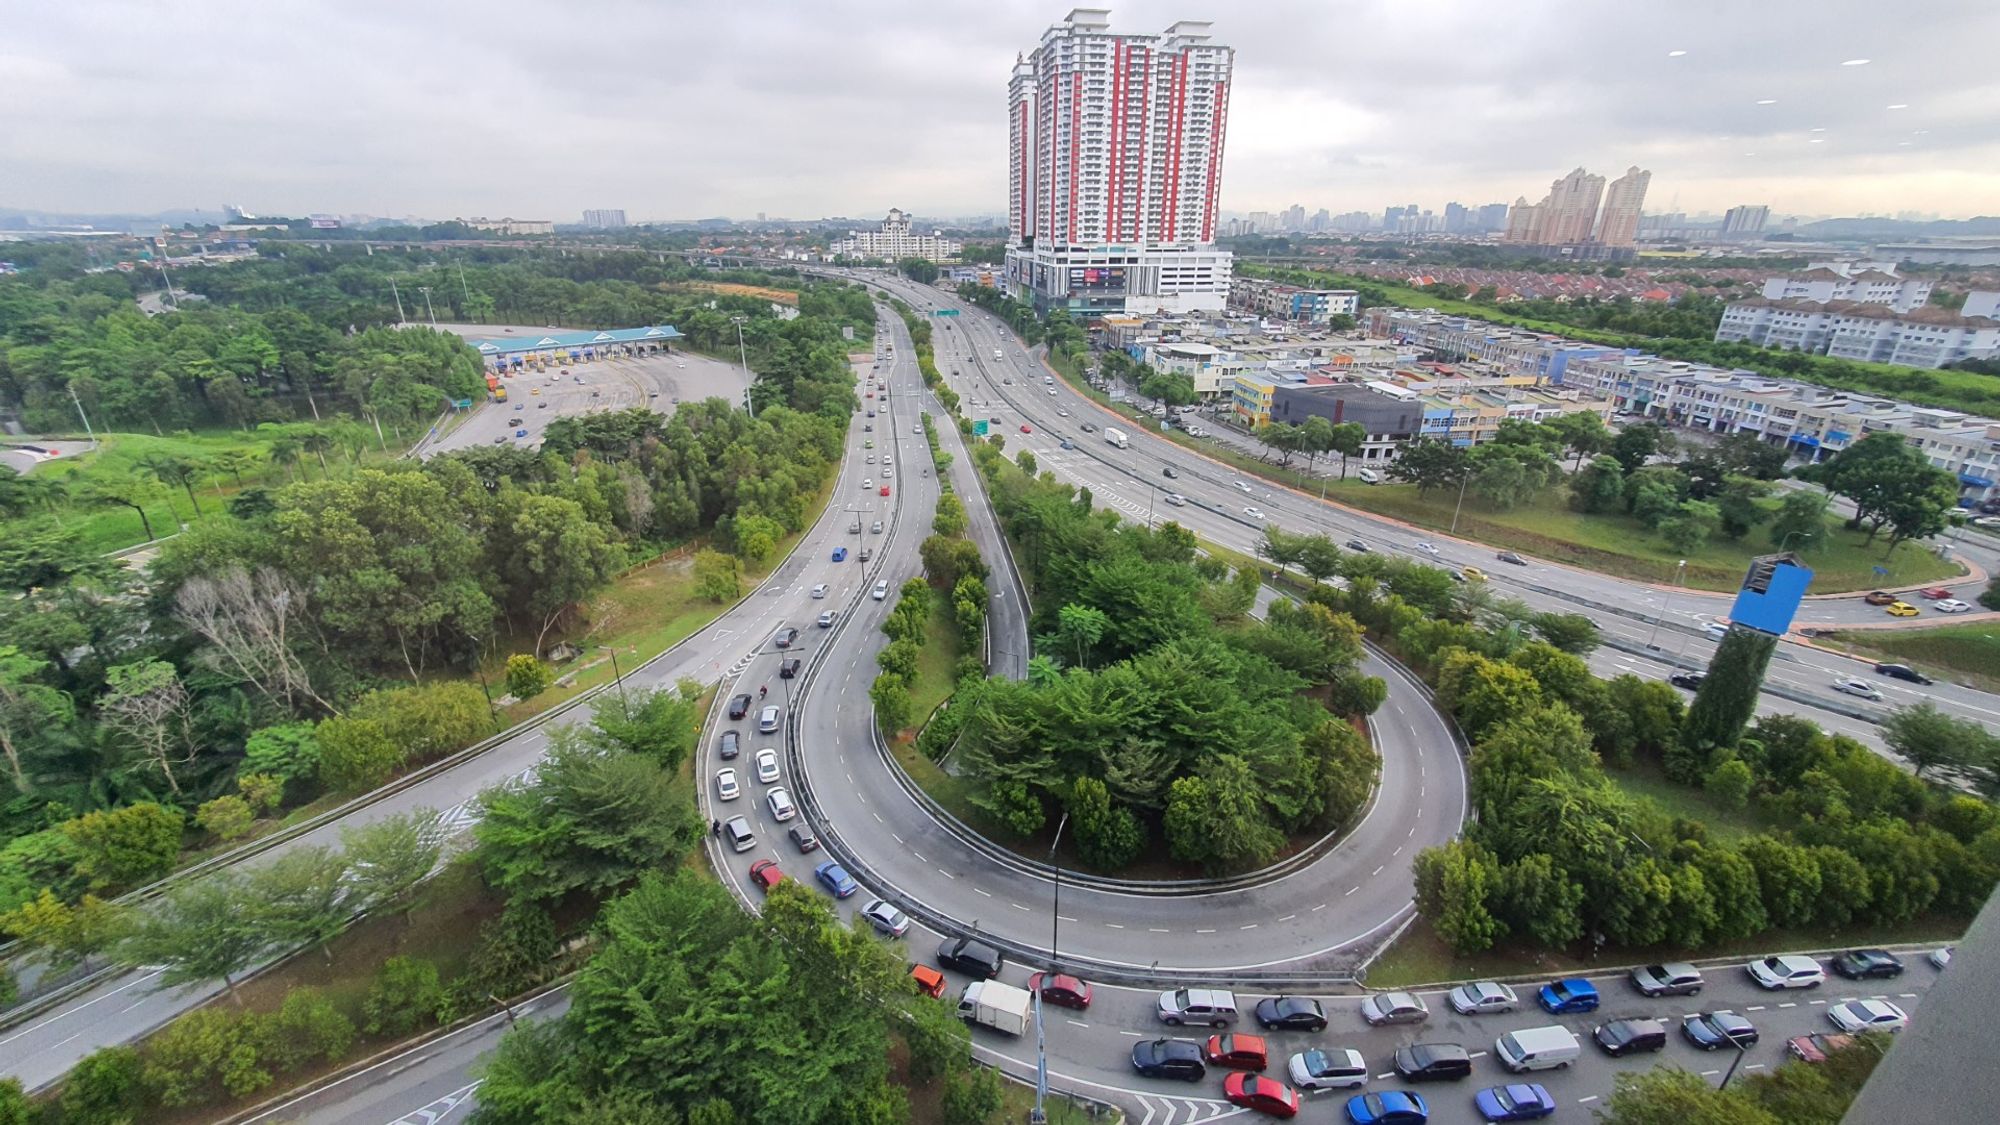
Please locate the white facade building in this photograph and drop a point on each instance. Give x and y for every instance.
(1115, 166)
(1873, 331)
(1868, 282)
(512, 226)
(896, 240)
(605, 219)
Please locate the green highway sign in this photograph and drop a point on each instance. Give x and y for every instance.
(945, 312)
(979, 429)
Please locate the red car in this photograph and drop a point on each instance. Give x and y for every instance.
(1815, 1048)
(766, 875)
(885, 490)
(1879, 597)
(1935, 593)
(1061, 989)
(1237, 1052)
(930, 982)
(1254, 1091)
(1027, 429)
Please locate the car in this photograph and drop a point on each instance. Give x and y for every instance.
(1290, 1013)
(840, 554)
(1816, 1047)
(1715, 630)
(784, 637)
(929, 981)
(1089, 429)
(1689, 680)
(1237, 1052)
(521, 433)
(1789, 971)
(1619, 1038)
(766, 875)
(1061, 989)
(835, 879)
(886, 919)
(1061, 413)
(534, 390)
(1474, 573)
(1952, 605)
(1482, 998)
(819, 591)
(825, 619)
(739, 706)
(1254, 513)
(1394, 1007)
(1328, 1069)
(1432, 1062)
(1066, 444)
(767, 721)
(1169, 1058)
(1174, 499)
(767, 765)
(1867, 964)
(789, 667)
(1567, 997)
(500, 440)
(1879, 597)
(1254, 1091)
(973, 958)
(1511, 558)
(1169, 473)
(1427, 547)
(1934, 593)
(885, 490)
(1862, 688)
(513, 421)
(803, 838)
(867, 483)
(1901, 609)
(780, 803)
(541, 405)
(1390, 1107)
(1357, 545)
(1939, 958)
(726, 788)
(729, 745)
(1710, 1030)
(1902, 672)
(1457, 576)
(1868, 1015)
(1522, 1101)
(1676, 978)
(1052, 390)
(1027, 429)
(868, 444)
(865, 554)
(875, 528)
(881, 589)
(1244, 485)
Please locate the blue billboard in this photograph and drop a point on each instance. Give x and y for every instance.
(1771, 593)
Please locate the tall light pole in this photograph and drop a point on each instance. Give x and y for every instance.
(743, 357)
(80, 414)
(399, 300)
(618, 681)
(1040, 1116)
(479, 669)
(1462, 482)
(1667, 604)
(426, 291)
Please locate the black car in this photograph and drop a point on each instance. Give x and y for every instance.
(1511, 557)
(1290, 1013)
(1688, 680)
(1711, 1030)
(1169, 1058)
(789, 667)
(1902, 672)
(1169, 472)
(975, 959)
(739, 706)
(785, 637)
(803, 838)
(1626, 1037)
(731, 743)
(1357, 545)
(1868, 964)
(1089, 429)
(1433, 1062)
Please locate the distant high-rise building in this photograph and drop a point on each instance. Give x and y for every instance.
(896, 241)
(1570, 211)
(1295, 217)
(1319, 220)
(1619, 223)
(1457, 218)
(604, 220)
(1115, 167)
(1524, 221)
(1493, 218)
(1392, 218)
(1746, 219)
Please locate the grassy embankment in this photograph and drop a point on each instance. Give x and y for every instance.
(1968, 653)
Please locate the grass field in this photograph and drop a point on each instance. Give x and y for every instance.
(1646, 784)
(1968, 653)
(937, 661)
(735, 289)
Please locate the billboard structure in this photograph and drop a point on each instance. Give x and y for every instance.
(1771, 593)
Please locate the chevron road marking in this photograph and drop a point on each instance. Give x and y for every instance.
(438, 1110)
(1183, 1111)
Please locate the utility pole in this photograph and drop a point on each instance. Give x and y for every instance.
(80, 414)
(426, 291)
(1462, 482)
(743, 356)
(399, 300)
(1666, 605)
(462, 290)
(1040, 1116)
(618, 681)
(172, 298)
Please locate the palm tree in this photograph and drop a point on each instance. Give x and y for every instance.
(172, 468)
(316, 440)
(123, 492)
(284, 452)
(234, 461)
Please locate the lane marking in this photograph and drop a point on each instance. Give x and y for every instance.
(946, 874)
(1350, 891)
(1320, 907)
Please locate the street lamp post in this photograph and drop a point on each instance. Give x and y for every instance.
(398, 294)
(426, 291)
(1667, 605)
(1462, 482)
(1040, 1116)
(618, 682)
(743, 357)
(80, 414)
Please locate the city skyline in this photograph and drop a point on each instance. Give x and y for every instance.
(825, 112)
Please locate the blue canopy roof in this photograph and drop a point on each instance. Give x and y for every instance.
(552, 341)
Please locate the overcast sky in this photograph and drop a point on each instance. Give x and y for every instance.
(803, 108)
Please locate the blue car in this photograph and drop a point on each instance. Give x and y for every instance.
(520, 433)
(1520, 1102)
(835, 878)
(1567, 997)
(1390, 1107)
(840, 554)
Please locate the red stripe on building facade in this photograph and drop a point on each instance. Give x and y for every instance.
(1178, 102)
(1214, 161)
(1075, 139)
(1112, 178)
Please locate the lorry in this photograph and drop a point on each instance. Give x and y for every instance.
(1117, 437)
(1001, 1007)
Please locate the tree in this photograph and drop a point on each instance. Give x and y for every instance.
(404, 997)
(1431, 463)
(389, 858)
(1079, 629)
(132, 492)
(1582, 433)
(29, 708)
(1598, 487)
(1636, 444)
(147, 703)
(1688, 529)
(106, 1087)
(890, 694)
(1739, 505)
(1929, 739)
(299, 899)
(1320, 557)
(552, 555)
(1727, 697)
(253, 623)
(527, 677)
(1669, 1095)
(1570, 632)
(287, 751)
(1800, 522)
(1892, 483)
(971, 1097)
(1730, 782)
(355, 754)
(198, 931)
(1482, 692)
(64, 934)
(715, 576)
(174, 469)
(226, 816)
(122, 847)
(1454, 883)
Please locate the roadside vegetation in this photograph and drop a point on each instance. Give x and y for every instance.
(1967, 654)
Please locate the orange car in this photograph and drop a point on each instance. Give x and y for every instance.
(1237, 1052)
(930, 982)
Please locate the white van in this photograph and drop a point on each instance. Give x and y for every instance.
(1537, 1048)
(1369, 476)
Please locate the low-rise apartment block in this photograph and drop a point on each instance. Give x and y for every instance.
(1536, 354)
(1863, 311)
(1292, 302)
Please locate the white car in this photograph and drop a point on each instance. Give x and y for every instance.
(1952, 605)
(1715, 630)
(1939, 958)
(1862, 688)
(867, 483)
(1254, 513)
(767, 765)
(1060, 413)
(1482, 997)
(780, 803)
(1175, 499)
(1052, 390)
(1868, 1015)
(1244, 485)
(917, 429)
(1787, 972)
(1427, 547)
(819, 591)
(1329, 1068)
(881, 589)
(726, 788)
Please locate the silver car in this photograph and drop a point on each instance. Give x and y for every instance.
(886, 919)
(1862, 688)
(1482, 997)
(1394, 1007)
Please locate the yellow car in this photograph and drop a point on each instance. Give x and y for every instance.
(1474, 573)
(1902, 609)
(534, 390)
(869, 444)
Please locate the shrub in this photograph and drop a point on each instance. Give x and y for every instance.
(227, 817)
(15, 1108)
(307, 1027)
(125, 846)
(971, 1097)
(105, 1088)
(288, 751)
(404, 996)
(195, 1050)
(263, 791)
(527, 677)
(356, 753)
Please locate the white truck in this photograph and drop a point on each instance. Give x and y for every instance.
(1117, 437)
(1001, 1007)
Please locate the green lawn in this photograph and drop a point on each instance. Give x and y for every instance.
(937, 661)
(1968, 653)
(1648, 785)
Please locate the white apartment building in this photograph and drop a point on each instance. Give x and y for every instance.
(1292, 302)
(610, 218)
(512, 226)
(1873, 283)
(896, 240)
(1115, 166)
(1920, 337)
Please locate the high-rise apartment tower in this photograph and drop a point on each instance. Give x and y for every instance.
(1619, 224)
